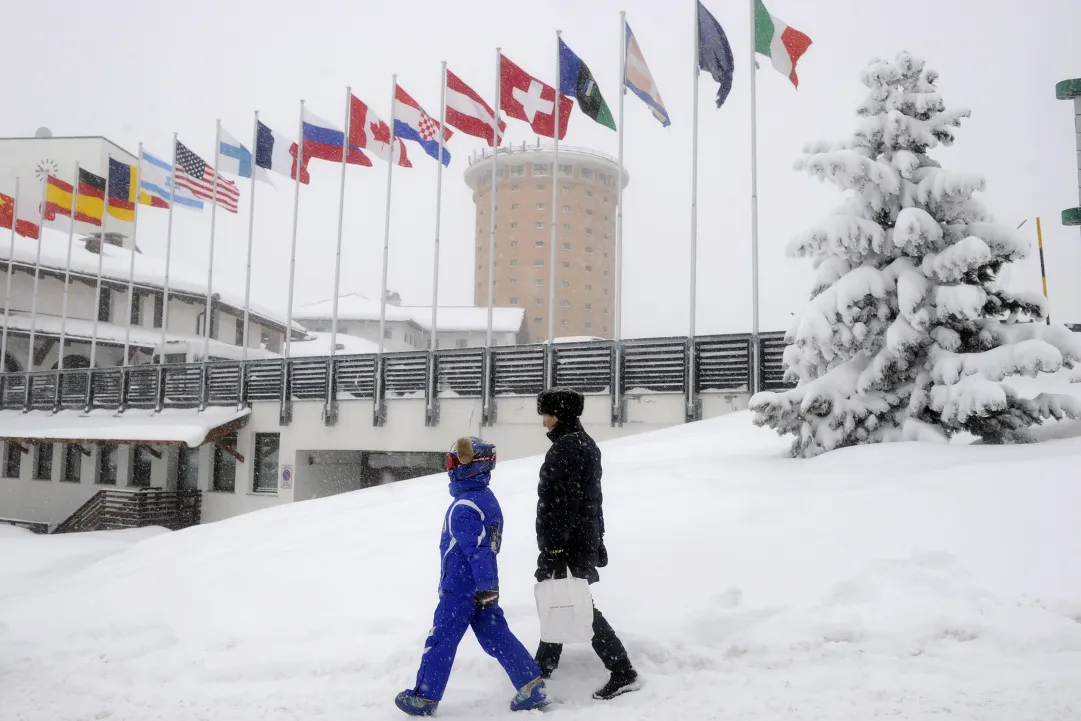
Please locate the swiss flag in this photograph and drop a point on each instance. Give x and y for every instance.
(524, 97)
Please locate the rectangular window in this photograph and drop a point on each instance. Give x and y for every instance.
(515, 186)
(513, 262)
(589, 211)
(538, 243)
(589, 268)
(514, 244)
(43, 462)
(512, 225)
(513, 206)
(605, 273)
(540, 281)
(603, 178)
(588, 324)
(513, 281)
(215, 323)
(564, 323)
(586, 173)
(388, 333)
(589, 306)
(566, 208)
(105, 305)
(159, 310)
(565, 303)
(538, 320)
(224, 478)
(538, 301)
(136, 308)
(266, 462)
(589, 287)
(542, 168)
(516, 171)
(565, 284)
(589, 250)
(564, 169)
(541, 186)
(187, 469)
(539, 224)
(540, 206)
(239, 331)
(514, 301)
(13, 459)
(141, 465)
(589, 193)
(566, 226)
(565, 264)
(73, 464)
(605, 199)
(108, 464)
(589, 231)
(538, 262)
(566, 246)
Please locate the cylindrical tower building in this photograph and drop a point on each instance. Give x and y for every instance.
(585, 267)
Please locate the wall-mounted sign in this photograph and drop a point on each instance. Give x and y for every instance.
(287, 476)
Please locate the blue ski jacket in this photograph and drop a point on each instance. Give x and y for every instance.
(472, 531)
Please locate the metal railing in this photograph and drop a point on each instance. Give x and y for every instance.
(723, 364)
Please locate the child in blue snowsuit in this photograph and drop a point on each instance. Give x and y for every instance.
(469, 589)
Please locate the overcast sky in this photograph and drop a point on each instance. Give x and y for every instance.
(139, 71)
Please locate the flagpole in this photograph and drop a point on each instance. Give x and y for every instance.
(694, 219)
(101, 263)
(386, 221)
(37, 273)
(251, 233)
(11, 272)
(491, 219)
(296, 215)
(67, 268)
(756, 373)
(341, 217)
(438, 206)
(213, 225)
(131, 267)
(554, 239)
(618, 185)
(168, 256)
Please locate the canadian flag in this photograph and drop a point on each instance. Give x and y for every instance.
(367, 130)
(524, 97)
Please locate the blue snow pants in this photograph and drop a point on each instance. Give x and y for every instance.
(454, 614)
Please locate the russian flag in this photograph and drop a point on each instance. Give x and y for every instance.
(323, 140)
(412, 123)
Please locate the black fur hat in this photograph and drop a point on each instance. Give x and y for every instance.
(563, 403)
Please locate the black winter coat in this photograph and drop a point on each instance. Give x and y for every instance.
(569, 514)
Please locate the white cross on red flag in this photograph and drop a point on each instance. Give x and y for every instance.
(524, 97)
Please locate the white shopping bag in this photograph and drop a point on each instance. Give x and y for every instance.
(565, 607)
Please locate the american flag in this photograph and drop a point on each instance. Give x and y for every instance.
(195, 174)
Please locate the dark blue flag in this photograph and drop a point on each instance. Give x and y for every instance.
(714, 53)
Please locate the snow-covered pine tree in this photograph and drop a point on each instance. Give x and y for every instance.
(908, 333)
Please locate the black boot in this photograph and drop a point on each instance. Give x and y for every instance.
(624, 680)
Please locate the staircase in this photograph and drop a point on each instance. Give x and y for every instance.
(113, 508)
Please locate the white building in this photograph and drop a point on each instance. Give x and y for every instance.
(409, 327)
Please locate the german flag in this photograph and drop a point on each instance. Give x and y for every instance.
(91, 202)
(123, 181)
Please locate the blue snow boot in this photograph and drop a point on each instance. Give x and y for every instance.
(414, 705)
(533, 695)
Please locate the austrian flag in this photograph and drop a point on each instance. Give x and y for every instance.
(524, 97)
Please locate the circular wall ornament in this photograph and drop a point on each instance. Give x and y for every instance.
(46, 167)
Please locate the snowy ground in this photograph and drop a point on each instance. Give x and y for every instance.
(904, 581)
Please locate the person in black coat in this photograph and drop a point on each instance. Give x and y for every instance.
(570, 528)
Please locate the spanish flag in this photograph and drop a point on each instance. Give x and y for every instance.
(91, 202)
(123, 181)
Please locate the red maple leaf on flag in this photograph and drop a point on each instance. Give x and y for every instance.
(380, 132)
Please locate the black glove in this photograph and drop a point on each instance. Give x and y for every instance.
(484, 599)
(602, 556)
(552, 564)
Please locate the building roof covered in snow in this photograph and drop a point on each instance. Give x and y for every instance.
(353, 306)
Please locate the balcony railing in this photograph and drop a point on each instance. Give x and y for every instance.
(721, 364)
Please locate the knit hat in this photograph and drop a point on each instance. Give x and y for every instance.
(563, 403)
(470, 457)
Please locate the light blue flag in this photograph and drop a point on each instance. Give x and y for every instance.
(156, 177)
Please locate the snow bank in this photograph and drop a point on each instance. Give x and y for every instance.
(905, 580)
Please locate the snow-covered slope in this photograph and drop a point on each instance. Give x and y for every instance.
(904, 580)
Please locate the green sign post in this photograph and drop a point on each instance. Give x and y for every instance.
(1071, 90)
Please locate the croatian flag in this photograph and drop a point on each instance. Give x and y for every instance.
(367, 130)
(234, 158)
(412, 123)
(323, 140)
(278, 153)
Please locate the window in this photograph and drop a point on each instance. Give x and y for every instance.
(240, 331)
(538, 243)
(566, 188)
(513, 262)
(515, 186)
(73, 464)
(606, 219)
(589, 268)
(108, 464)
(159, 310)
(564, 303)
(589, 306)
(141, 461)
(516, 171)
(460, 343)
(13, 458)
(514, 225)
(513, 281)
(563, 323)
(538, 320)
(540, 206)
(136, 309)
(606, 291)
(566, 208)
(388, 333)
(514, 244)
(605, 273)
(589, 287)
(542, 169)
(538, 301)
(588, 324)
(187, 469)
(541, 186)
(565, 284)
(540, 281)
(605, 199)
(586, 173)
(565, 264)
(538, 262)
(266, 463)
(224, 478)
(589, 193)
(566, 226)
(603, 178)
(43, 462)
(515, 206)
(514, 301)
(215, 318)
(606, 238)
(589, 250)
(566, 246)
(566, 170)
(589, 231)
(539, 224)
(589, 211)
(105, 305)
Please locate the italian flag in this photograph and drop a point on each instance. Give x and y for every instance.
(780, 43)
